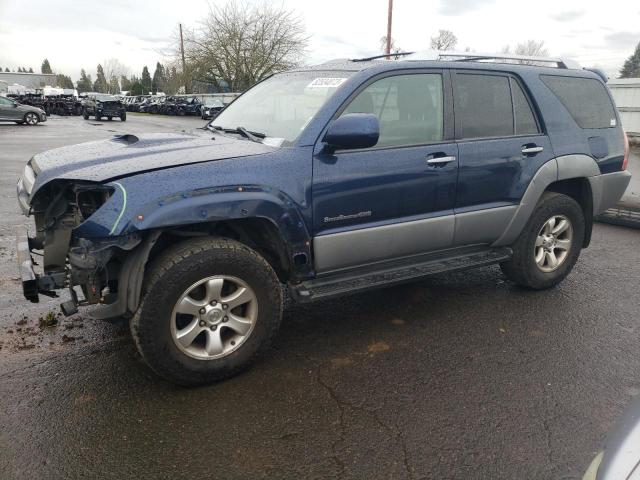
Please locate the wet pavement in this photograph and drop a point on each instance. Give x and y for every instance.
(461, 376)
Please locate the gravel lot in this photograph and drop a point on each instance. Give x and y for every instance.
(461, 376)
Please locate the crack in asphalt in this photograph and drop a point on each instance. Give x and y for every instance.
(393, 431)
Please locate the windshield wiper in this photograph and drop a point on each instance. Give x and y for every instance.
(253, 136)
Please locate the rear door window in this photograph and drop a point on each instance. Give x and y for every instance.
(483, 106)
(525, 118)
(586, 99)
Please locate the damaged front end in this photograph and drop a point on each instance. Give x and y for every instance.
(67, 259)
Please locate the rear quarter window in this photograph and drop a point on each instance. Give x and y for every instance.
(586, 99)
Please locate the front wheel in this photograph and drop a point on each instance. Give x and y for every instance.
(210, 306)
(123, 117)
(31, 118)
(85, 114)
(549, 246)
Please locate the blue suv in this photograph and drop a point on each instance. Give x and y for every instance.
(324, 181)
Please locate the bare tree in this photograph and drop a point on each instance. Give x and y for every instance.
(445, 40)
(239, 44)
(113, 70)
(532, 48)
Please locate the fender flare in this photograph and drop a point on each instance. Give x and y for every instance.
(560, 168)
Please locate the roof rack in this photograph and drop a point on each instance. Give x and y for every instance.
(565, 63)
(438, 55)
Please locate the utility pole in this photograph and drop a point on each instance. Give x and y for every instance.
(389, 18)
(184, 64)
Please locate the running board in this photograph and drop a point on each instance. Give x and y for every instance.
(388, 274)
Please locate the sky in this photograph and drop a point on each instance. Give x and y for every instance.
(75, 34)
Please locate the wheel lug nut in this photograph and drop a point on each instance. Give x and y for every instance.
(225, 319)
(213, 327)
(202, 324)
(232, 342)
(202, 310)
(213, 302)
(225, 306)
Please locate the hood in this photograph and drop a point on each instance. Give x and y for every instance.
(128, 154)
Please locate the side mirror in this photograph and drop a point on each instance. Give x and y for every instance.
(353, 130)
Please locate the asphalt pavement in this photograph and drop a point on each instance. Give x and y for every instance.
(461, 376)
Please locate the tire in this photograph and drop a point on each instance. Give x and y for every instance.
(123, 117)
(31, 119)
(85, 114)
(538, 237)
(109, 118)
(98, 117)
(155, 328)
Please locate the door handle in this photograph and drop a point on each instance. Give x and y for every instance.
(528, 150)
(441, 160)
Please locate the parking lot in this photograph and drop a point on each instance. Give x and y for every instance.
(461, 376)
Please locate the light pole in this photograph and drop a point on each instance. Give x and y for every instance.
(389, 19)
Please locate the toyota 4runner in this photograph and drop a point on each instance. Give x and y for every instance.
(324, 181)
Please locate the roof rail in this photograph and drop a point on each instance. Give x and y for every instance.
(384, 55)
(498, 57)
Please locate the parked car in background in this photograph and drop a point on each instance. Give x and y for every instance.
(102, 105)
(329, 180)
(11, 110)
(620, 459)
(213, 104)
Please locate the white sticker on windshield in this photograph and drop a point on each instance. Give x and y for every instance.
(613, 122)
(326, 83)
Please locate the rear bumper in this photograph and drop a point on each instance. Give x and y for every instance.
(607, 189)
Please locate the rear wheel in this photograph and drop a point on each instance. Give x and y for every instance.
(210, 306)
(123, 117)
(98, 117)
(549, 246)
(31, 118)
(85, 114)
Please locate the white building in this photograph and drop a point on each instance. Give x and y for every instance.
(626, 92)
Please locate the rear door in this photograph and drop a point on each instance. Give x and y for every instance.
(501, 146)
(7, 109)
(396, 198)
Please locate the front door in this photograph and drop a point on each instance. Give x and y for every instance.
(395, 199)
(7, 109)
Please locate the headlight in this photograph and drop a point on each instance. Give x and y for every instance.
(91, 197)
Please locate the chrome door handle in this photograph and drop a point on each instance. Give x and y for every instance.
(527, 150)
(441, 160)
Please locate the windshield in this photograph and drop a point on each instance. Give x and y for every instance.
(281, 106)
(212, 102)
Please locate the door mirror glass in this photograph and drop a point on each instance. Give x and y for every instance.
(353, 130)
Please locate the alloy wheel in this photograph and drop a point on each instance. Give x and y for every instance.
(553, 243)
(214, 317)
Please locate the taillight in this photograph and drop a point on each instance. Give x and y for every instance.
(626, 152)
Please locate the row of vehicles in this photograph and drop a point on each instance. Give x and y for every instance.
(60, 104)
(206, 106)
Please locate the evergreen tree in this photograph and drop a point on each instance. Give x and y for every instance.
(6, 69)
(64, 81)
(159, 82)
(30, 70)
(631, 67)
(146, 80)
(125, 83)
(100, 85)
(19, 69)
(46, 68)
(84, 84)
(136, 88)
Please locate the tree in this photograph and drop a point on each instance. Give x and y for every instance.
(84, 84)
(532, 48)
(445, 40)
(114, 85)
(145, 81)
(100, 85)
(6, 69)
(631, 67)
(30, 70)
(125, 83)
(64, 81)
(136, 87)
(46, 68)
(239, 44)
(159, 81)
(113, 68)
